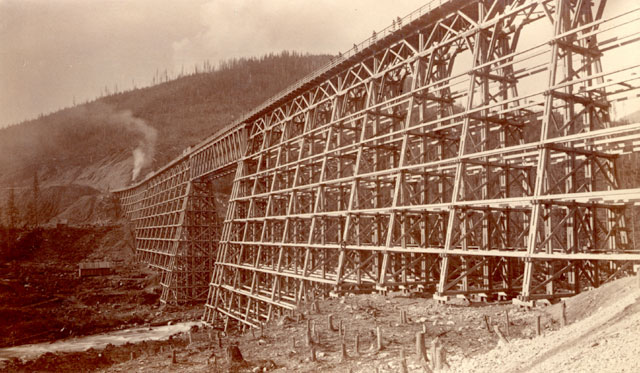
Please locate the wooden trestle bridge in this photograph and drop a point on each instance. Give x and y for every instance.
(467, 150)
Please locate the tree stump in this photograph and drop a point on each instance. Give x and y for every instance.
(313, 353)
(403, 363)
(234, 355)
(308, 338)
(421, 353)
(506, 315)
(330, 323)
(487, 323)
(441, 357)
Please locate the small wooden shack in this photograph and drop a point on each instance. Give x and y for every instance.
(94, 269)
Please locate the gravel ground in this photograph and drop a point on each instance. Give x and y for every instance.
(605, 341)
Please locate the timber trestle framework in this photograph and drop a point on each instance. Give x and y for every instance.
(175, 218)
(468, 150)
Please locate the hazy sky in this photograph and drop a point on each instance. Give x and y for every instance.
(54, 50)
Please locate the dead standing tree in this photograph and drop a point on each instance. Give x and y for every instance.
(12, 210)
(35, 202)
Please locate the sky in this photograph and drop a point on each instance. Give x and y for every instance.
(57, 52)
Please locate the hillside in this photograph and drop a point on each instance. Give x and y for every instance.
(94, 147)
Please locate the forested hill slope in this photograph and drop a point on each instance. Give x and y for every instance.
(96, 144)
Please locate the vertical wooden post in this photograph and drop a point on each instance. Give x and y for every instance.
(563, 318)
(174, 360)
(293, 343)
(343, 351)
(219, 339)
(379, 338)
(486, 323)
(538, 329)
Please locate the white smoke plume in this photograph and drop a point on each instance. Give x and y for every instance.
(139, 160)
(143, 154)
(125, 120)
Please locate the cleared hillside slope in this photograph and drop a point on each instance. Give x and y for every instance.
(102, 144)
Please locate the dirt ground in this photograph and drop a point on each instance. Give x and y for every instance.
(281, 345)
(42, 298)
(601, 336)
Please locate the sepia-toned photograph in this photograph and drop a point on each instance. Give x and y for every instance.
(320, 186)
